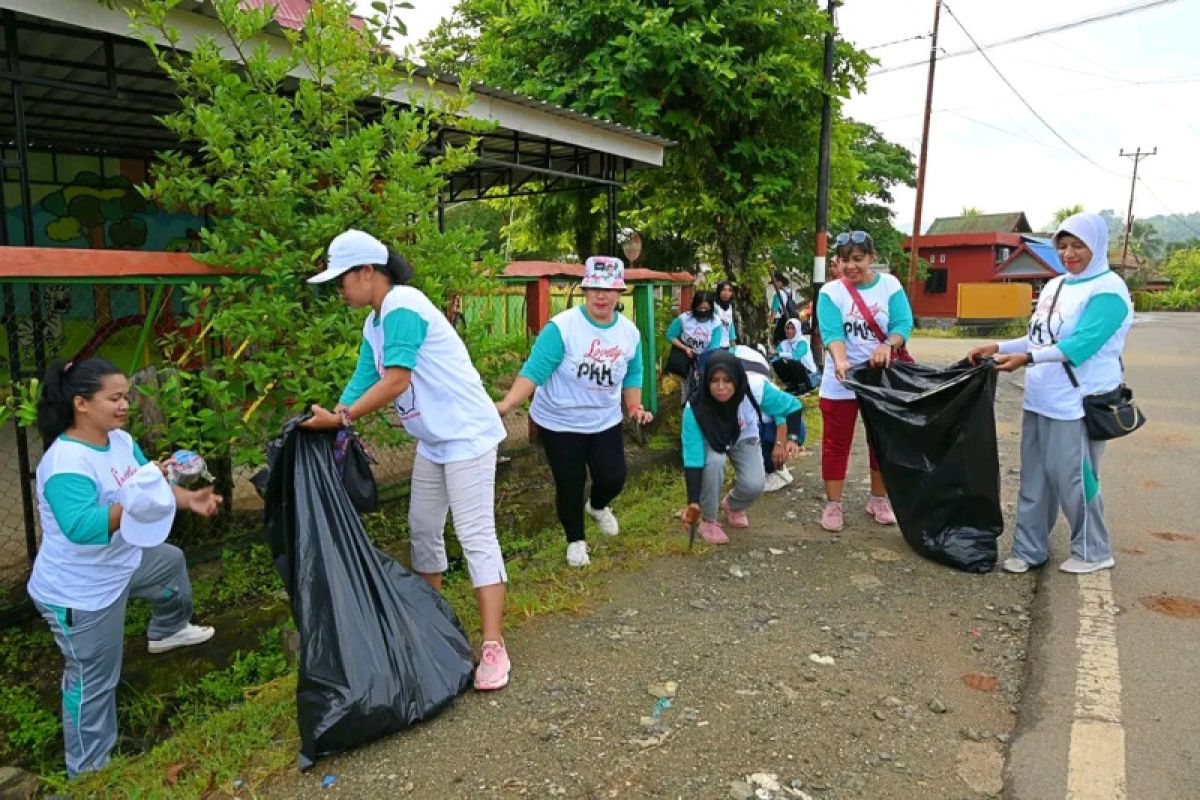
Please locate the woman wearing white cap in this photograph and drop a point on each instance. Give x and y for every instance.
(412, 358)
(105, 512)
(1073, 349)
(584, 364)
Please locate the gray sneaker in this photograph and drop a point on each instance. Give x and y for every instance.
(1017, 565)
(1078, 566)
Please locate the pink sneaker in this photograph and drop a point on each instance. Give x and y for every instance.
(833, 519)
(881, 509)
(737, 519)
(711, 532)
(493, 669)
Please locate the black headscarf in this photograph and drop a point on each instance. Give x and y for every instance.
(723, 303)
(719, 421)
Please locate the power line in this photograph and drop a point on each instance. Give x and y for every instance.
(1066, 26)
(898, 41)
(1020, 97)
(1167, 208)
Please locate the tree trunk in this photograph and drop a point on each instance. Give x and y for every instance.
(753, 321)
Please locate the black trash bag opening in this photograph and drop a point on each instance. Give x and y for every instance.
(934, 433)
(379, 649)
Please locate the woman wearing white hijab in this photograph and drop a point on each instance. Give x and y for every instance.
(1081, 320)
(793, 360)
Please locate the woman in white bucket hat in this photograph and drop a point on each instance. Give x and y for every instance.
(585, 363)
(412, 358)
(106, 512)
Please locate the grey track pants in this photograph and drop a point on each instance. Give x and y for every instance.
(92, 643)
(1060, 468)
(748, 477)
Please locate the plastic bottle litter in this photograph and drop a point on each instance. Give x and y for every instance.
(187, 470)
(328, 781)
(661, 705)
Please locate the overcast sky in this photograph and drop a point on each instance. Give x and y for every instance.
(1125, 83)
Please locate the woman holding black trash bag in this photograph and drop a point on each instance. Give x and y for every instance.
(412, 358)
(585, 363)
(694, 335)
(865, 318)
(1073, 349)
(106, 512)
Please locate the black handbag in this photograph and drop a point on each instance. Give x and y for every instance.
(678, 363)
(1106, 415)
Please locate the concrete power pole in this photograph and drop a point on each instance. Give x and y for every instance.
(916, 232)
(1137, 156)
(821, 227)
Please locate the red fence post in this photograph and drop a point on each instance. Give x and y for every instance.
(537, 305)
(685, 297)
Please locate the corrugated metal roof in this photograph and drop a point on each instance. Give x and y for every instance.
(1045, 251)
(1011, 222)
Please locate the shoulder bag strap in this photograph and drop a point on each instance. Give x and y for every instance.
(1050, 330)
(865, 311)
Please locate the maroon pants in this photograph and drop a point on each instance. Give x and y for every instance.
(838, 417)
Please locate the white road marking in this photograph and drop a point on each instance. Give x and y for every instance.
(1096, 764)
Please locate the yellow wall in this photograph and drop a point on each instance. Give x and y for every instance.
(994, 300)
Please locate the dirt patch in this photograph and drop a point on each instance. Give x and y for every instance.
(1133, 551)
(1168, 536)
(1173, 606)
(980, 681)
(1150, 485)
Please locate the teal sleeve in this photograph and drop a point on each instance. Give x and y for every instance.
(693, 441)
(364, 377)
(634, 372)
(778, 404)
(732, 332)
(403, 334)
(1101, 318)
(831, 320)
(546, 355)
(75, 503)
(139, 456)
(900, 316)
(675, 328)
(776, 303)
(801, 350)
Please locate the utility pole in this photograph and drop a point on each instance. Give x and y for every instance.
(822, 222)
(916, 231)
(1137, 156)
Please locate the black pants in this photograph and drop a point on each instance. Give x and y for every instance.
(572, 456)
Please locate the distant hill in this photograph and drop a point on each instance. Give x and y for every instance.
(1176, 229)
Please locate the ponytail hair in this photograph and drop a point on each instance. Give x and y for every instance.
(64, 381)
(397, 268)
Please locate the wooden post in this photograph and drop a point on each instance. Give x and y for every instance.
(643, 309)
(685, 298)
(537, 305)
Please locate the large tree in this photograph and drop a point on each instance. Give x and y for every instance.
(736, 84)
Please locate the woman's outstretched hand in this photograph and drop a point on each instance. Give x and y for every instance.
(983, 351)
(322, 419)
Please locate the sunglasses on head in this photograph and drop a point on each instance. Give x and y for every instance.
(857, 237)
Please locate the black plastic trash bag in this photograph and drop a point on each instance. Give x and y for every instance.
(379, 648)
(934, 433)
(354, 465)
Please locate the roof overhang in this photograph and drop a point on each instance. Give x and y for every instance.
(965, 240)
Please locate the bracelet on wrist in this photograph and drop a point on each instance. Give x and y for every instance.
(347, 417)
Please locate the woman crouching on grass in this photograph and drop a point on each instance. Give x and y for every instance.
(720, 422)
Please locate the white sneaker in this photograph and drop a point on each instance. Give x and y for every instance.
(604, 519)
(1015, 565)
(786, 473)
(1079, 567)
(577, 554)
(774, 482)
(190, 635)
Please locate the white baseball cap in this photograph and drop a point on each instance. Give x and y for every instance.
(348, 250)
(147, 507)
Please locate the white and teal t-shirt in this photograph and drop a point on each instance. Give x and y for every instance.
(841, 321)
(581, 367)
(79, 565)
(1089, 323)
(697, 334)
(445, 407)
(797, 350)
(775, 406)
(725, 317)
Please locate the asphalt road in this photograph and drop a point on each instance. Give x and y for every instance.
(1105, 716)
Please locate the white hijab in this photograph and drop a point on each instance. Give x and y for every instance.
(797, 336)
(1092, 230)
